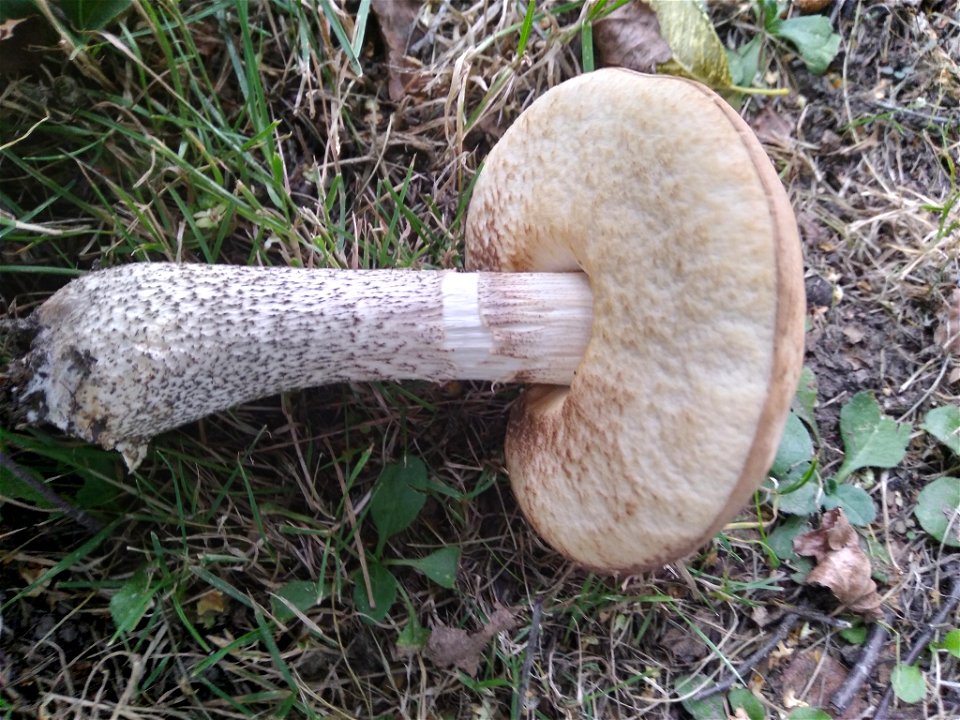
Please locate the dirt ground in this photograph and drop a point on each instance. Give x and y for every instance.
(868, 154)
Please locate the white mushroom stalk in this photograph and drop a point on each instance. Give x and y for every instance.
(121, 355)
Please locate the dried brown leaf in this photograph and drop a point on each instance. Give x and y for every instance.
(773, 128)
(683, 646)
(855, 333)
(764, 616)
(398, 23)
(630, 37)
(947, 334)
(835, 533)
(450, 646)
(842, 566)
(813, 678)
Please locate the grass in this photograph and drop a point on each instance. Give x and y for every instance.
(219, 132)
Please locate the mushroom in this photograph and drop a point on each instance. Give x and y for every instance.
(632, 253)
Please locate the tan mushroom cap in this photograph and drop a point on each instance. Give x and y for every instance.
(657, 190)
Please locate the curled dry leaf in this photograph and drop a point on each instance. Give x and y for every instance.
(630, 37)
(398, 23)
(842, 565)
(450, 646)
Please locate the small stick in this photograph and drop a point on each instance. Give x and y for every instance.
(786, 625)
(920, 644)
(865, 663)
(806, 614)
(74, 513)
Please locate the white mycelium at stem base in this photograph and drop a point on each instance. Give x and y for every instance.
(124, 354)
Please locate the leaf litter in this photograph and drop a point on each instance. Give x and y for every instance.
(677, 38)
(630, 37)
(398, 25)
(842, 565)
(450, 646)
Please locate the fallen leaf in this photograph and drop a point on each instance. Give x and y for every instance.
(210, 606)
(683, 645)
(772, 128)
(450, 646)
(780, 653)
(31, 573)
(398, 23)
(698, 52)
(947, 334)
(854, 333)
(630, 37)
(673, 36)
(762, 616)
(812, 678)
(842, 566)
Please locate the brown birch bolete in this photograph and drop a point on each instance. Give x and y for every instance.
(632, 253)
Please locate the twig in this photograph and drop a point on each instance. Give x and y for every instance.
(786, 625)
(868, 659)
(533, 639)
(806, 614)
(937, 119)
(74, 513)
(920, 643)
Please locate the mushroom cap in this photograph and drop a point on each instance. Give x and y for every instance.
(656, 189)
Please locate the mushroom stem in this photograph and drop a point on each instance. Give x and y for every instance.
(121, 355)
